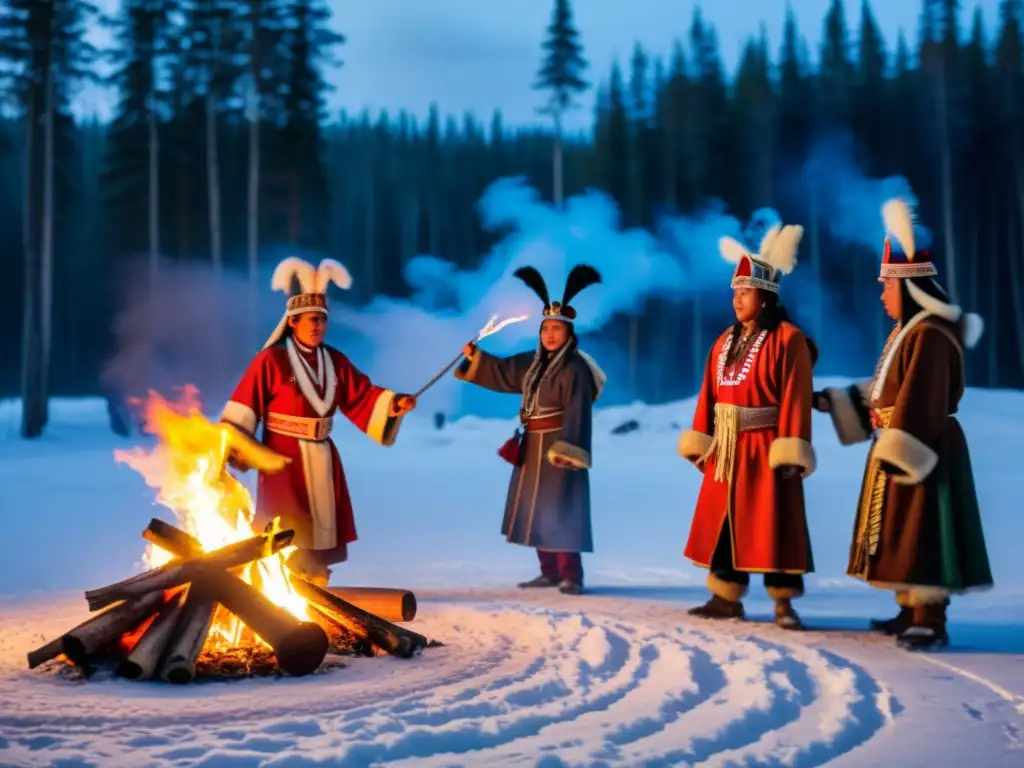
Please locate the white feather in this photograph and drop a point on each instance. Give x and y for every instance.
(732, 250)
(784, 248)
(972, 326)
(293, 268)
(768, 241)
(329, 272)
(899, 222)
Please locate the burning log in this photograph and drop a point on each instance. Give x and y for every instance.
(297, 645)
(179, 664)
(179, 572)
(388, 604)
(89, 638)
(110, 624)
(396, 640)
(142, 662)
(300, 646)
(385, 635)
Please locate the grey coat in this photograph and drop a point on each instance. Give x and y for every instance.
(548, 507)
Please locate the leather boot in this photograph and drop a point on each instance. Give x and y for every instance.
(785, 616)
(898, 624)
(928, 630)
(718, 608)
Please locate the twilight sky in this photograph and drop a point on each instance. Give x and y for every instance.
(482, 54)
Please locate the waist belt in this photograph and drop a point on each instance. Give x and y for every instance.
(543, 423)
(299, 426)
(749, 419)
(730, 420)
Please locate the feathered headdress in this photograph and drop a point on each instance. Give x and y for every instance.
(582, 276)
(898, 218)
(763, 270)
(312, 283)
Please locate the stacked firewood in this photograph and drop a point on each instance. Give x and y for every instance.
(156, 625)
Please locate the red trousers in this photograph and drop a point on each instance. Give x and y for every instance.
(564, 565)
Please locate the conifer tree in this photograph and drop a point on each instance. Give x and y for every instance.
(561, 75)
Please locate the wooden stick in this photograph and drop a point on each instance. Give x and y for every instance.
(179, 663)
(300, 646)
(44, 653)
(180, 572)
(391, 638)
(83, 642)
(396, 640)
(388, 604)
(145, 656)
(418, 393)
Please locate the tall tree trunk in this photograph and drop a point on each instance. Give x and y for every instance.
(255, 114)
(1013, 260)
(995, 284)
(947, 187)
(816, 314)
(154, 197)
(558, 162)
(31, 345)
(46, 256)
(254, 205)
(213, 182)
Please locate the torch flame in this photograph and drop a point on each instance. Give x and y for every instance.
(493, 326)
(188, 470)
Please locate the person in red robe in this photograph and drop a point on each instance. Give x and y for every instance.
(293, 388)
(751, 438)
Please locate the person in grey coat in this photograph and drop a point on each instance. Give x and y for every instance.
(548, 504)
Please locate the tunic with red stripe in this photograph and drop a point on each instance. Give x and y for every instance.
(294, 392)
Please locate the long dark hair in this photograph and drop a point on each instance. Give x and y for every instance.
(773, 314)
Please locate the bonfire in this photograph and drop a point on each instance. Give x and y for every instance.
(218, 597)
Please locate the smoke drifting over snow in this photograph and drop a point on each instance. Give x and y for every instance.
(849, 204)
(402, 343)
(411, 340)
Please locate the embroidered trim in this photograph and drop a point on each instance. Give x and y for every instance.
(302, 371)
(889, 354)
(735, 381)
(754, 282)
(926, 269)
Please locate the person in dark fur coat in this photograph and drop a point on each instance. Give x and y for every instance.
(918, 529)
(548, 503)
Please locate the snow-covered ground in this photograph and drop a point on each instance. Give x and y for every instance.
(620, 676)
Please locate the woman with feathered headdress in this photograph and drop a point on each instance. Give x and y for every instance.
(548, 504)
(918, 529)
(751, 438)
(294, 387)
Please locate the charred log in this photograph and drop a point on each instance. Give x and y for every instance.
(396, 640)
(84, 642)
(180, 571)
(142, 662)
(300, 646)
(353, 619)
(179, 663)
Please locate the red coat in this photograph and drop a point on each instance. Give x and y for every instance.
(769, 526)
(310, 494)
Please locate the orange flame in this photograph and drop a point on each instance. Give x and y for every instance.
(188, 470)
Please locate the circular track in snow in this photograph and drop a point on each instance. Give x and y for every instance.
(624, 684)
